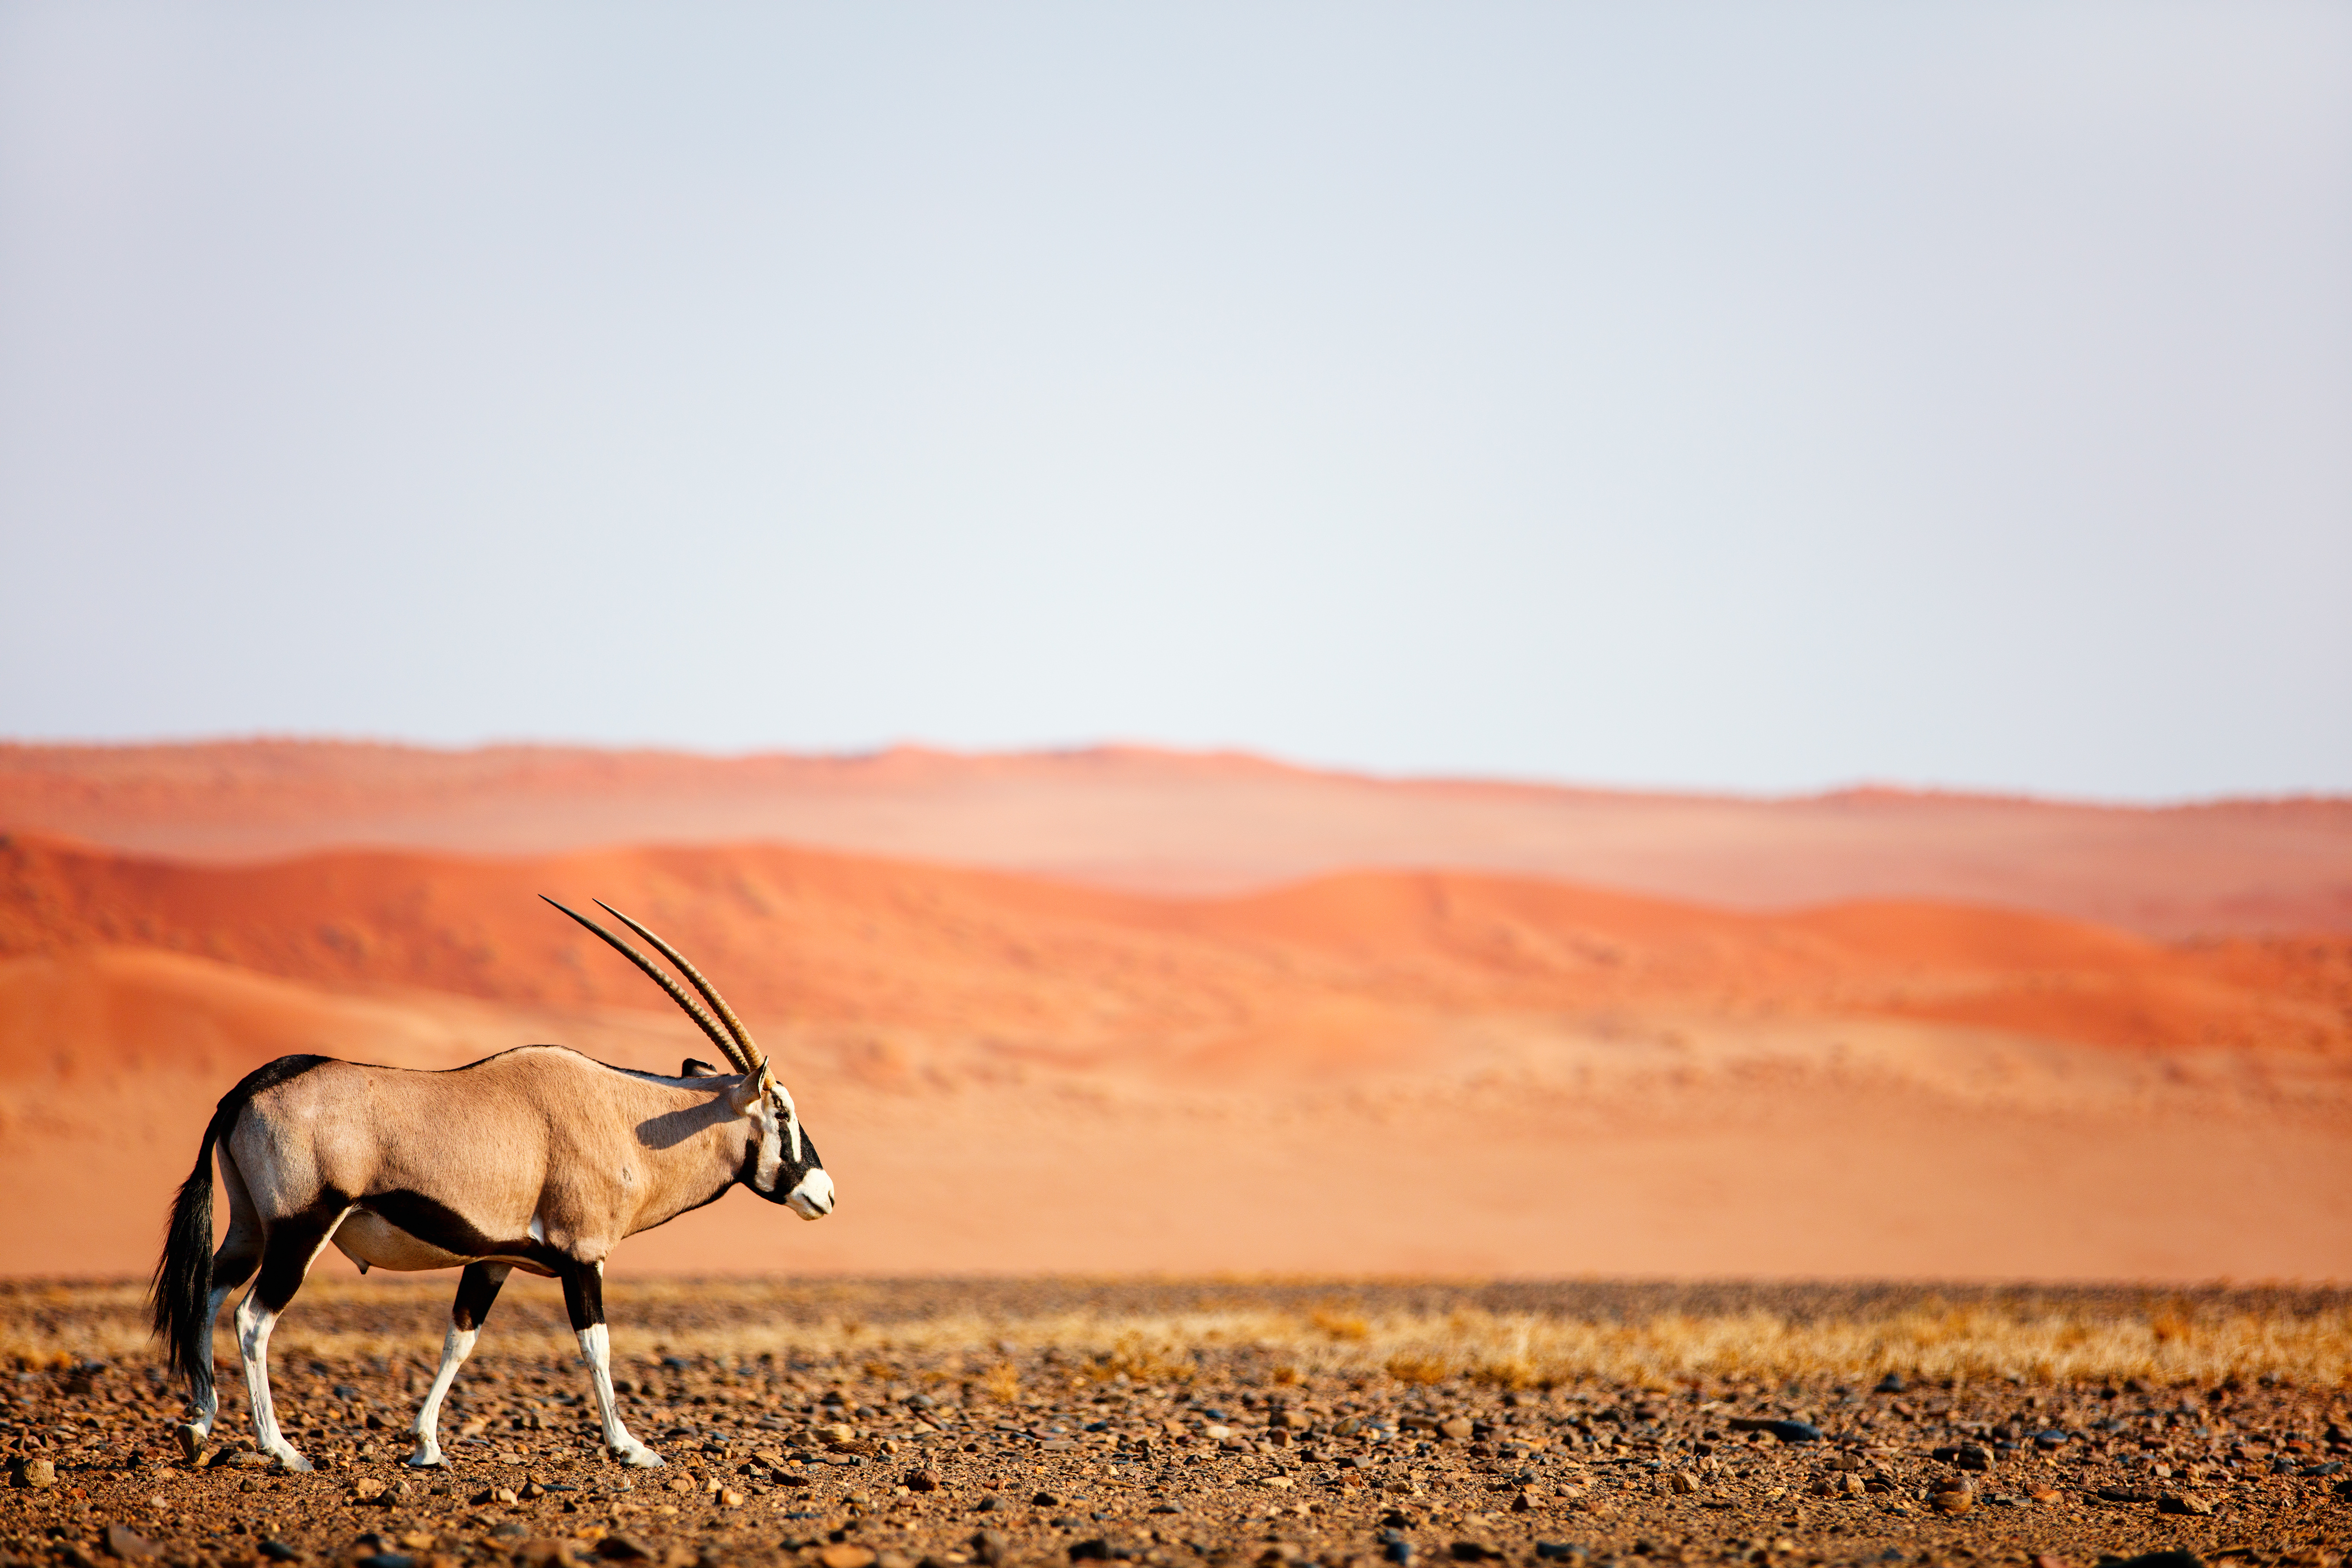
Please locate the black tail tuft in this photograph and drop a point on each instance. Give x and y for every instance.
(183, 1286)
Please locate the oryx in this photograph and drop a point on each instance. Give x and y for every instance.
(538, 1159)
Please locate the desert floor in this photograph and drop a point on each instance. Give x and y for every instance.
(854, 1423)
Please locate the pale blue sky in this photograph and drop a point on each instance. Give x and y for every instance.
(1743, 396)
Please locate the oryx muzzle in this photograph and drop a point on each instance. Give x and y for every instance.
(536, 1159)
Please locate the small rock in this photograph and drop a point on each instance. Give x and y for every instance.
(991, 1545)
(277, 1551)
(387, 1560)
(32, 1475)
(367, 1488)
(1787, 1431)
(1682, 1483)
(2161, 1560)
(1472, 1551)
(129, 1543)
(1953, 1496)
(924, 1480)
(986, 1505)
(1094, 1550)
(1459, 1429)
(1044, 1500)
(537, 1553)
(847, 1554)
(2183, 1502)
(1974, 1456)
(622, 1549)
(1891, 1383)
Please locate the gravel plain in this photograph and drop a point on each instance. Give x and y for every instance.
(893, 1424)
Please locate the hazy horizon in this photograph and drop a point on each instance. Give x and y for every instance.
(1691, 398)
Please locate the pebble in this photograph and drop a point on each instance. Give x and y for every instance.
(33, 1475)
(126, 1543)
(1787, 1431)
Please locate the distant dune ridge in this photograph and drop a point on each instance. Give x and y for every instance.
(1166, 822)
(1039, 1056)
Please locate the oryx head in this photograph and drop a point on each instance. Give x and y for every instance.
(780, 1163)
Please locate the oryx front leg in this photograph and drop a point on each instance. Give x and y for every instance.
(477, 1288)
(583, 1297)
(286, 1259)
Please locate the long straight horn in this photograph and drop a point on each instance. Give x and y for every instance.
(751, 1060)
(710, 1024)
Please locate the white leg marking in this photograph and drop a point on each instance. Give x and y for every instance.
(456, 1346)
(596, 1350)
(254, 1322)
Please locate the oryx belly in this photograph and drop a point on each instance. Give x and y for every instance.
(416, 1234)
(376, 1242)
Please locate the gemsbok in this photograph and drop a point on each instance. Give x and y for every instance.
(538, 1159)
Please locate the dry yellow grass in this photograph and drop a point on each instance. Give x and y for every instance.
(2046, 1339)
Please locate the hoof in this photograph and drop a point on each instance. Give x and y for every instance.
(641, 1457)
(293, 1461)
(191, 1441)
(422, 1460)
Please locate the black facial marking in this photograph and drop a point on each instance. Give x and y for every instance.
(788, 1174)
(478, 1287)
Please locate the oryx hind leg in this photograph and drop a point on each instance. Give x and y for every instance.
(232, 1265)
(583, 1298)
(477, 1288)
(293, 1244)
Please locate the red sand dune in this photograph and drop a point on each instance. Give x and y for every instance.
(1160, 822)
(831, 940)
(1376, 1072)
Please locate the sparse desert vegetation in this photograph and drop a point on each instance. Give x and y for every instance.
(854, 1423)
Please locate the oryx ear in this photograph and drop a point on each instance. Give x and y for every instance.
(744, 1095)
(695, 1067)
